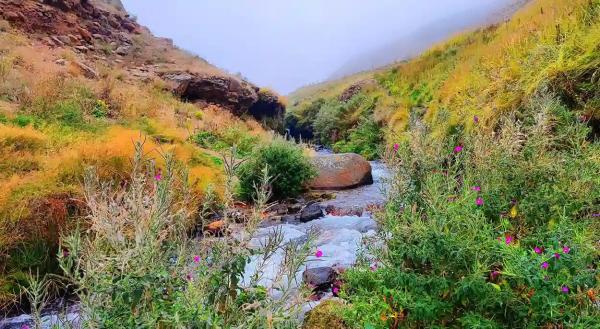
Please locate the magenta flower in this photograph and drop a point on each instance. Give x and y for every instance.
(158, 176)
(479, 201)
(373, 267)
(65, 253)
(476, 188)
(319, 253)
(556, 255)
(458, 149)
(188, 277)
(25, 327)
(545, 265)
(566, 249)
(475, 119)
(396, 147)
(508, 239)
(565, 289)
(196, 259)
(335, 290)
(538, 250)
(494, 274)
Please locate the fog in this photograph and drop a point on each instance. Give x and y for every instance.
(285, 44)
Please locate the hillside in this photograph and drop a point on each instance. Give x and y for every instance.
(546, 45)
(79, 83)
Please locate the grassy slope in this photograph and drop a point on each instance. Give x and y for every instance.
(547, 44)
(54, 123)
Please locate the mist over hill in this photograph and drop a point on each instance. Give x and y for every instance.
(417, 40)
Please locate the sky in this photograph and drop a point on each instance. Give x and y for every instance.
(286, 44)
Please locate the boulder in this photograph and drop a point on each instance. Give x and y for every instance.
(340, 171)
(87, 71)
(311, 212)
(320, 278)
(234, 94)
(268, 105)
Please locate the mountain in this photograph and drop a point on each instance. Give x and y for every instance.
(414, 42)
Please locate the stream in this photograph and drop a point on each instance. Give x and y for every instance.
(339, 239)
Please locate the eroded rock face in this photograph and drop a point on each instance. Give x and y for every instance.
(232, 93)
(237, 95)
(341, 171)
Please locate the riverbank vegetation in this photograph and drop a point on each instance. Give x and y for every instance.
(492, 214)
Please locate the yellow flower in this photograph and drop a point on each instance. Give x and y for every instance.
(513, 212)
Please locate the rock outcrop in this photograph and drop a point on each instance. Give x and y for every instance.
(237, 95)
(356, 88)
(319, 277)
(340, 171)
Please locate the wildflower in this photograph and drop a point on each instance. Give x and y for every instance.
(335, 290)
(494, 274)
(25, 326)
(396, 147)
(508, 239)
(65, 253)
(537, 250)
(373, 267)
(566, 249)
(319, 253)
(513, 212)
(556, 255)
(596, 214)
(479, 201)
(196, 259)
(565, 289)
(476, 188)
(475, 119)
(188, 276)
(545, 265)
(458, 149)
(158, 176)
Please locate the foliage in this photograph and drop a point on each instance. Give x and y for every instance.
(365, 139)
(487, 230)
(243, 141)
(137, 267)
(285, 161)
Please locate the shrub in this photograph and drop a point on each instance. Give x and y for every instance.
(365, 140)
(137, 267)
(285, 162)
(488, 230)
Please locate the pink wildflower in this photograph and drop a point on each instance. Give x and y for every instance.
(319, 253)
(545, 265)
(476, 188)
(538, 250)
(565, 289)
(566, 249)
(25, 327)
(556, 255)
(396, 147)
(373, 267)
(335, 290)
(196, 259)
(508, 239)
(475, 119)
(458, 149)
(158, 176)
(189, 277)
(479, 201)
(65, 253)
(494, 274)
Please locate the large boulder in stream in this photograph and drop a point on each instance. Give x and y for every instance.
(340, 172)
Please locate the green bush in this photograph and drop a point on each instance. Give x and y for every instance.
(365, 139)
(286, 163)
(243, 141)
(488, 230)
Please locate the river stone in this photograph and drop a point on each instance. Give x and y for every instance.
(341, 171)
(319, 277)
(311, 212)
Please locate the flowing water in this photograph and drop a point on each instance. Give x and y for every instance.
(339, 239)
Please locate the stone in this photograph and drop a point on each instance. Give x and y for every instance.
(60, 61)
(123, 50)
(268, 105)
(82, 49)
(65, 40)
(85, 34)
(229, 92)
(87, 71)
(215, 228)
(340, 171)
(289, 218)
(311, 212)
(356, 88)
(320, 278)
